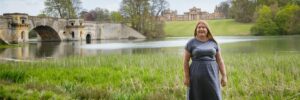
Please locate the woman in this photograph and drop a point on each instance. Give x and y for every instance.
(202, 76)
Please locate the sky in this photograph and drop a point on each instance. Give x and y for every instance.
(35, 7)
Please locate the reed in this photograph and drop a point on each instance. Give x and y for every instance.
(146, 76)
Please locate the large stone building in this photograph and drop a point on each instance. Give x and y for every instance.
(193, 14)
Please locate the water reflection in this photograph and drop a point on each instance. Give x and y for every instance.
(229, 44)
(46, 49)
(270, 44)
(171, 42)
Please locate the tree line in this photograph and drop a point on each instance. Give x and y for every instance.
(270, 17)
(141, 15)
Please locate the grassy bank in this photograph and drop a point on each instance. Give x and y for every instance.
(224, 27)
(10, 46)
(146, 76)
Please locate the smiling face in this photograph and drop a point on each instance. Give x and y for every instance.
(202, 30)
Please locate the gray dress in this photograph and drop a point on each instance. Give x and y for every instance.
(204, 71)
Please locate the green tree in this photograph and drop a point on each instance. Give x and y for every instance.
(102, 15)
(143, 16)
(42, 15)
(264, 24)
(243, 10)
(134, 11)
(280, 3)
(97, 14)
(288, 19)
(116, 17)
(62, 8)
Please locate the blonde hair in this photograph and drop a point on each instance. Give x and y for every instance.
(209, 34)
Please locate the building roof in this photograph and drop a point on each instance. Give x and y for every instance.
(15, 14)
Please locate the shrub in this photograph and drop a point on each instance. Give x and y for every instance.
(264, 24)
(287, 19)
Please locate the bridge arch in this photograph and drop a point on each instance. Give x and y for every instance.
(47, 33)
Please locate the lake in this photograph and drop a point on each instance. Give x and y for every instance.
(229, 44)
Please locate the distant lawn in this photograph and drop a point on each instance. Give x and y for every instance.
(223, 27)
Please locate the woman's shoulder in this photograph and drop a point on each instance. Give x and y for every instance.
(213, 41)
(191, 40)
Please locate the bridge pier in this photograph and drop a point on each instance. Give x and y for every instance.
(16, 27)
(75, 29)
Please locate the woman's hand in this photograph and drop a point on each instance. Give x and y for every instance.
(224, 81)
(187, 82)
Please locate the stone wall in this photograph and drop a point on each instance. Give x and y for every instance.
(3, 31)
(118, 31)
(93, 29)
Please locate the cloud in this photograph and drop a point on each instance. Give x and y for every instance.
(32, 7)
(111, 5)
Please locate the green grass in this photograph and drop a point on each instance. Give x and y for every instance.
(224, 27)
(146, 76)
(10, 46)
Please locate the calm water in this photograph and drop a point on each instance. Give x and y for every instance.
(229, 44)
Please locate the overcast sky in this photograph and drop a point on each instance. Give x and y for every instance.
(34, 7)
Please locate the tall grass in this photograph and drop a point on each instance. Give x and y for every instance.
(147, 76)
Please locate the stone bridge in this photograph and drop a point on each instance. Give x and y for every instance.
(15, 28)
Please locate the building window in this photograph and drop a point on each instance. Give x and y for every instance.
(73, 35)
(72, 24)
(23, 21)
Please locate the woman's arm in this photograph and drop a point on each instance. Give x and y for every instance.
(221, 68)
(186, 68)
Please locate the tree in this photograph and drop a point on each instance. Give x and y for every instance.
(223, 8)
(102, 15)
(62, 8)
(288, 19)
(264, 24)
(143, 16)
(134, 11)
(97, 14)
(42, 15)
(285, 14)
(243, 10)
(83, 13)
(116, 17)
(76, 5)
(157, 6)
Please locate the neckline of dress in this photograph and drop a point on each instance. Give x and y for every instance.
(202, 41)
